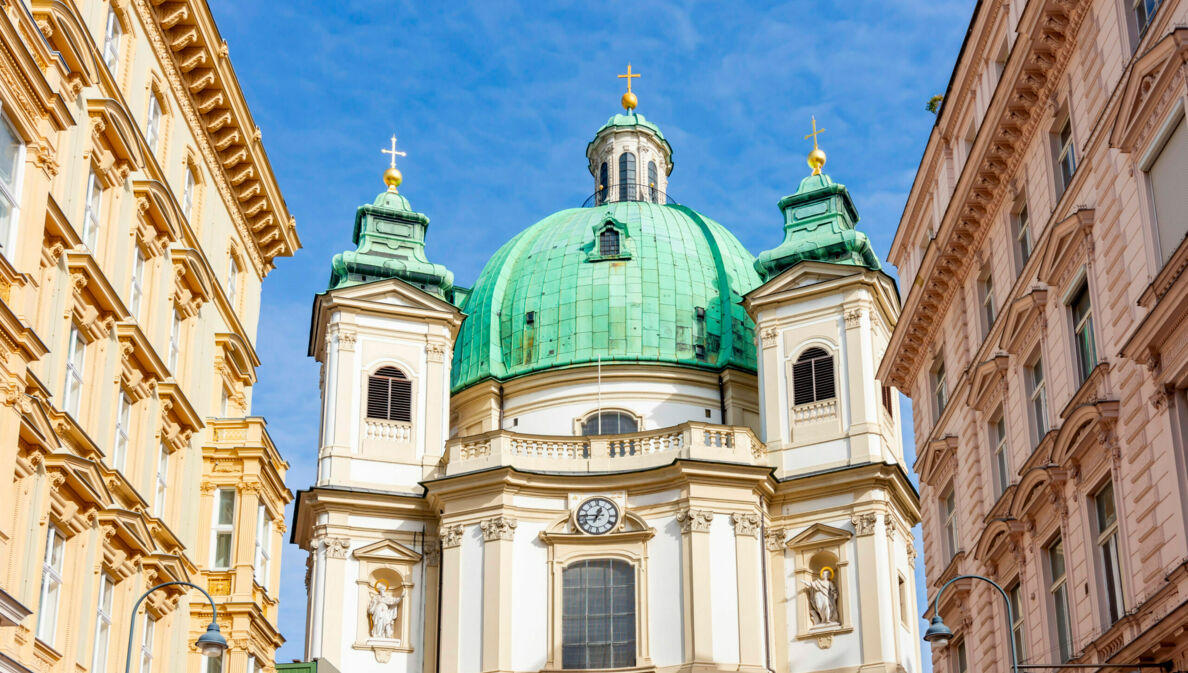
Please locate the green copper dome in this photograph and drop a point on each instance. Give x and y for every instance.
(560, 294)
(632, 120)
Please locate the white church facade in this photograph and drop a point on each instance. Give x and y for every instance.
(631, 445)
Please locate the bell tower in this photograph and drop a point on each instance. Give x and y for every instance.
(630, 159)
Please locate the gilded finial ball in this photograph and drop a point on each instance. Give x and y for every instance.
(816, 159)
(393, 178)
(629, 101)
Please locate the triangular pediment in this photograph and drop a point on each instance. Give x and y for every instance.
(1022, 318)
(1150, 89)
(804, 274)
(819, 535)
(387, 551)
(393, 292)
(986, 381)
(1066, 246)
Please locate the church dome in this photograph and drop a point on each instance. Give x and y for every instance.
(626, 281)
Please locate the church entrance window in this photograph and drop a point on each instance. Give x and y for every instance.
(812, 377)
(389, 395)
(598, 614)
(627, 176)
(609, 423)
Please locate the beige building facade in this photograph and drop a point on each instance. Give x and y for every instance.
(629, 446)
(1042, 337)
(138, 218)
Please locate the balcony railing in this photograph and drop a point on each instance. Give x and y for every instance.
(390, 431)
(604, 453)
(628, 192)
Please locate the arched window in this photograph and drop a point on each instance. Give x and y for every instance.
(602, 186)
(609, 423)
(626, 176)
(389, 395)
(812, 377)
(608, 243)
(653, 191)
(598, 614)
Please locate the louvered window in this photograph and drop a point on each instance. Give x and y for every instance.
(389, 395)
(812, 377)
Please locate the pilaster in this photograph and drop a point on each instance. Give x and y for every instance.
(750, 590)
(866, 543)
(451, 596)
(777, 627)
(695, 526)
(498, 537)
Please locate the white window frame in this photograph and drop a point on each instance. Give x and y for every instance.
(233, 282)
(1082, 330)
(188, 189)
(1066, 154)
(1058, 591)
(940, 388)
(1015, 596)
(998, 435)
(10, 193)
(262, 559)
(123, 429)
(1142, 11)
(136, 284)
(219, 530)
(152, 126)
(1109, 557)
(989, 310)
(175, 326)
(960, 657)
(161, 483)
(949, 504)
(94, 204)
(1022, 226)
(1037, 393)
(103, 612)
(146, 643)
(76, 361)
(52, 566)
(112, 33)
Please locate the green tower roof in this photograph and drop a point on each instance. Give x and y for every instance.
(390, 237)
(819, 224)
(632, 120)
(670, 295)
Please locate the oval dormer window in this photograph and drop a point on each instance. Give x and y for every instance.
(626, 176)
(389, 395)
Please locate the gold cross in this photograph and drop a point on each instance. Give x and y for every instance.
(393, 152)
(813, 135)
(628, 77)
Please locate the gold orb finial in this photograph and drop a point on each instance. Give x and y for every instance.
(816, 158)
(393, 177)
(629, 100)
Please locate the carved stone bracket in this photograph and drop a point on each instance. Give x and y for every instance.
(745, 523)
(451, 536)
(864, 524)
(695, 520)
(498, 528)
(824, 642)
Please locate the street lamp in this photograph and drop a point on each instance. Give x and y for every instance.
(210, 644)
(939, 635)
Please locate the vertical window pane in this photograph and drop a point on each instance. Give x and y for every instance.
(1059, 593)
(1016, 597)
(627, 176)
(111, 42)
(75, 361)
(598, 614)
(146, 644)
(102, 625)
(123, 425)
(94, 202)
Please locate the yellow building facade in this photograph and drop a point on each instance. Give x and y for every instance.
(138, 218)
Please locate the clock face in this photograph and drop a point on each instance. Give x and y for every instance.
(597, 516)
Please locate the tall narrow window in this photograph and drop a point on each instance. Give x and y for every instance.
(223, 528)
(602, 184)
(1107, 547)
(998, 436)
(263, 556)
(188, 194)
(152, 126)
(11, 151)
(102, 624)
(76, 352)
(1066, 155)
(51, 586)
(961, 661)
(989, 311)
(626, 176)
(111, 42)
(1038, 392)
(812, 377)
(1015, 595)
(1143, 11)
(904, 612)
(1022, 236)
(940, 388)
(91, 213)
(233, 282)
(175, 325)
(136, 286)
(608, 243)
(1058, 589)
(889, 400)
(653, 190)
(949, 508)
(598, 614)
(1082, 314)
(389, 395)
(146, 644)
(161, 499)
(119, 454)
(1165, 178)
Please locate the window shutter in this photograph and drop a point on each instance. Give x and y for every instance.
(823, 378)
(389, 396)
(802, 382)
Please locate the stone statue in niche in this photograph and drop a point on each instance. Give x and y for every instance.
(383, 611)
(822, 594)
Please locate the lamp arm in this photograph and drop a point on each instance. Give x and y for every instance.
(132, 627)
(1006, 599)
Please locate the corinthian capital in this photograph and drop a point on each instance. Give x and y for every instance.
(499, 528)
(695, 520)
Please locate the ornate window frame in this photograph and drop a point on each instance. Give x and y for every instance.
(395, 440)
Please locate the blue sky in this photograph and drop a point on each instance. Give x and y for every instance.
(495, 101)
